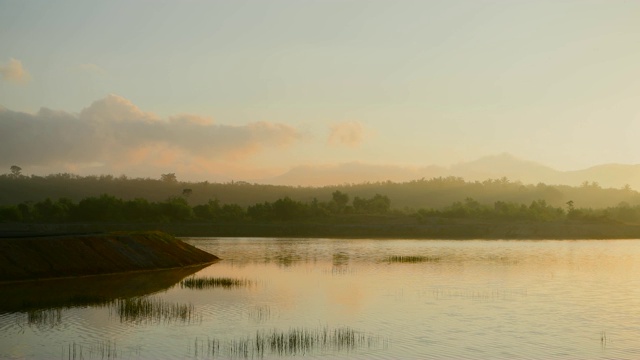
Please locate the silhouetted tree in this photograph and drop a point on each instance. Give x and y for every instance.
(570, 205)
(103, 208)
(232, 212)
(208, 211)
(340, 200)
(287, 209)
(176, 208)
(16, 171)
(378, 204)
(140, 209)
(169, 177)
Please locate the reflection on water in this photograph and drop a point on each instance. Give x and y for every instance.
(86, 291)
(44, 317)
(323, 298)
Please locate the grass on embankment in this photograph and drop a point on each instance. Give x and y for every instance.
(81, 255)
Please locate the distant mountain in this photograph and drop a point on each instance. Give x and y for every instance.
(351, 173)
(608, 175)
(505, 165)
(488, 167)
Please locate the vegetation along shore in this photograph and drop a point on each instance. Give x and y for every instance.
(426, 208)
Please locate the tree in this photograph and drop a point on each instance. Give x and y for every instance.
(340, 199)
(187, 192)
(378, 204)
(16, 171)
(169, 177)
(103, 208)
(570, 205)
(287, 209)
(176, 208)
(208, 211)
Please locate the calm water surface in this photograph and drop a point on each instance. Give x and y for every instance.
(345, 299)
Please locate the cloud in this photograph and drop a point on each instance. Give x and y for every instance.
(349, 133)
(115, 132)
(14, 72)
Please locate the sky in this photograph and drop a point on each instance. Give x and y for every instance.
(245, 90)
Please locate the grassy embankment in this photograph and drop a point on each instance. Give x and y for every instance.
(81, 255)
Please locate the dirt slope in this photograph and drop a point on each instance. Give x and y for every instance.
(62, 256)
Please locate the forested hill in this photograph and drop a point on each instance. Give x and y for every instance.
(433, 193)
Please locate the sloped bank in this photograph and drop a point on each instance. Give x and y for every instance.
(81, 255)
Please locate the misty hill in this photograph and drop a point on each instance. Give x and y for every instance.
(513, 180)
(351, 173)
(433, 193)
(489, 167)
(506, 165)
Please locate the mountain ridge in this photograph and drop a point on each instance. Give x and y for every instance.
(504, 165)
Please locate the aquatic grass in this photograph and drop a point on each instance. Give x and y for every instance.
(214, 282)
(340, 270)
(286, 260)
(101, 349)
(46, 317)
(154, 310)
(340, 258)
(260, 314)
(412, 259)
(292, 342)
(604, 340)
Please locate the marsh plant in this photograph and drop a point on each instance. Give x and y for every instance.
(340, 259)
(292, 342)
(260, 314)
(412, 259)
(201, 283)
(101, 349)
(155, 310)
(46, 317)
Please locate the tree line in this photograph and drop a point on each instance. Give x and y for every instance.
(108, 208)
(436, 193)
(112, 209)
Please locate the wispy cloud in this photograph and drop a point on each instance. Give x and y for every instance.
(115, 132)
(13, 71)
(349, 133)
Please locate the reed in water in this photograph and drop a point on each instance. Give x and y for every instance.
(292, 342)
(214, 282)
(411, 259)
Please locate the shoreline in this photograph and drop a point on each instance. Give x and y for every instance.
(369, 228)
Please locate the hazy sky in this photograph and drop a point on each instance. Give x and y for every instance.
(248, 89)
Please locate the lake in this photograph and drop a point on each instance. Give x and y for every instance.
(332, 298)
